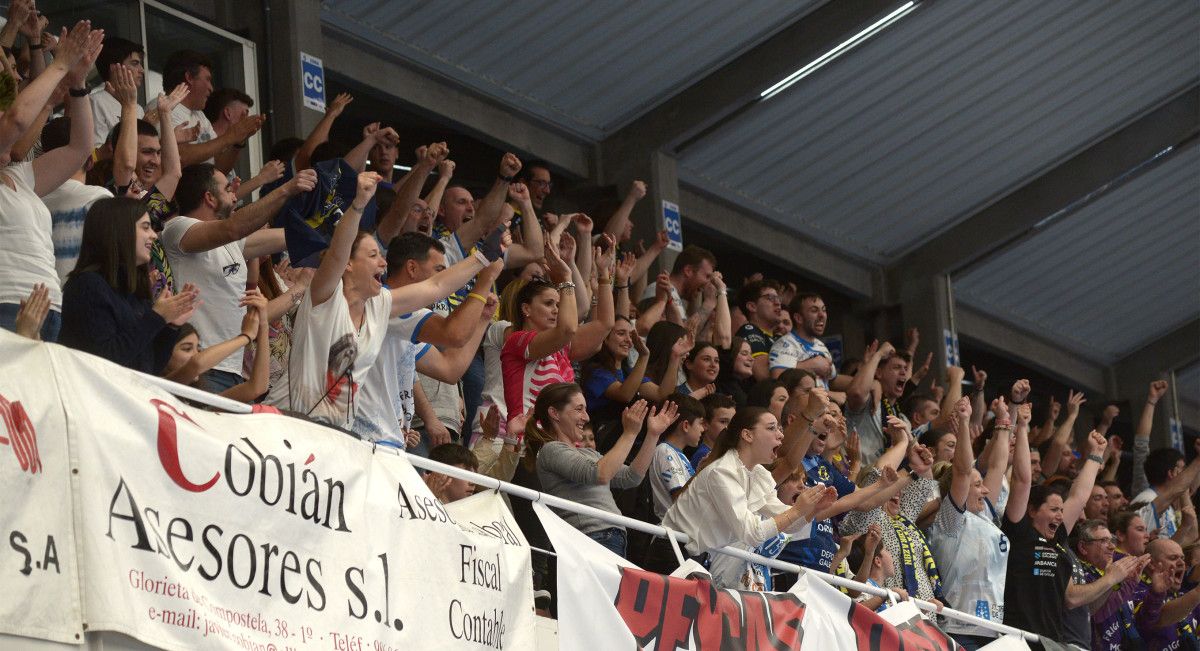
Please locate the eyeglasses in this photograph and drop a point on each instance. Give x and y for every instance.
(540, 184)
(774, 298)
(1112, 540)
(416, 207)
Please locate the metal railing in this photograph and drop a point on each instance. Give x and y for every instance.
(676, 537)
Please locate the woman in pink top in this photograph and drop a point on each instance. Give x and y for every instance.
(546, 336)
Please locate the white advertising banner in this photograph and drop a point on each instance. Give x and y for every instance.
(606, 602)
(39, 576)
(205, 530)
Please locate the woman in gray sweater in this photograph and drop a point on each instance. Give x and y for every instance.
(583, 475)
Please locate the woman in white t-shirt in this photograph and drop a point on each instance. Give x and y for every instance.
(343, 318)
(732, 501)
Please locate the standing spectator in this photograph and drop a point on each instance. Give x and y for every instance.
(1115, 583)
(27, 256)
(1039, 569)
(1168, 617)
(802, 347)
(547, 336)
(195, 69)
(693, 269)
(210, 244)
(583, 475)
(107, 306)
(536, 176)
(874, 394)
(608, 382)
(1159, 476)
(759, 302)
(224, 109)
(1131, 533)
(106, 106)
(343, 319)
(69, 203)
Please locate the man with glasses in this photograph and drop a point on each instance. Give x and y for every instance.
(1110, 586)
(537, 177)
(759, 301)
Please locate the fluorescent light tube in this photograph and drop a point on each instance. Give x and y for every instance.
(844, 47)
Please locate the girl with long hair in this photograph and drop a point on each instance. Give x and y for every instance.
(700, 371)
(736, 370)
(583, 475)
(609, 383)
(189, 361)
(108, 309)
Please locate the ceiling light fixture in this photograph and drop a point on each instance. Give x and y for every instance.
(844, 47)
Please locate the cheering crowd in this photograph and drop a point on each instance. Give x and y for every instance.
(490, 334)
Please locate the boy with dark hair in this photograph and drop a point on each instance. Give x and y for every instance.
(106, 107)
(670, 469)
(718, 411)
(444, 487)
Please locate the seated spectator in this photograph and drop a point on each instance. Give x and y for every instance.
(583, 475)
(343, 318)
(210, 244)
(668, 344)
(189, 362)
(444, 487)
(107, 306)
(701, 368)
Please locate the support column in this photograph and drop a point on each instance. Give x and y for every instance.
(291, 26)
(927, 305)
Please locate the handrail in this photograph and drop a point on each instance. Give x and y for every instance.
(197, 395)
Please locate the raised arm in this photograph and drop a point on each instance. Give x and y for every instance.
(721, 319)
(206, 359)
(397, 218)
(445, 172)
(585, 254)
(657, 422)
(619, 222)
(320, 133)
(799, 434)
(532, 246)
(19, 117)
(191, 153)
(54, 167)
(1081, 488)
(621, 277)
(260, 373)
(995, 452)
(954, 378)
(659, 388)
(858, 394)
(590, 336)
(208, 235)
(964, 457)
(1061, 442)
(549, 341)
(623, 392)
(1141, 436)
(1022, 474)
(447, 281)
(650, 255)
(172, 169)
(487, 216)
(123, 86)
(449, 365)
(614, 459)
(901, 435)
(456, 330)
(978, 398)
(337, 256)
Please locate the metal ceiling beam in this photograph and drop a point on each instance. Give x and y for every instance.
(1009, 218)
(779, 245)
(1014, 342)
(1174, 350)
(356, 60)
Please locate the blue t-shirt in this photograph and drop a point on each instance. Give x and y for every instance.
(817, 551)
(597, 382)
(701, 452)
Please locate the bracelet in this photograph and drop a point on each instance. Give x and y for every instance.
(356, 208)
(36, 46)
(566, 285)
(1003, 423)
(1097, 458)
(625, 286)
(79, 92)
(506, 179)
(478, 296)
(248, 339)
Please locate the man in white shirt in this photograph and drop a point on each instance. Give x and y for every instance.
(195, 69)
(693, 269)
(106, 108)
(69, 203)
(209, 244)
(802, 347)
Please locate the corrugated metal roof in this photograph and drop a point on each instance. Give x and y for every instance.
(947, 110)
(589, 67)
(1112, 276)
